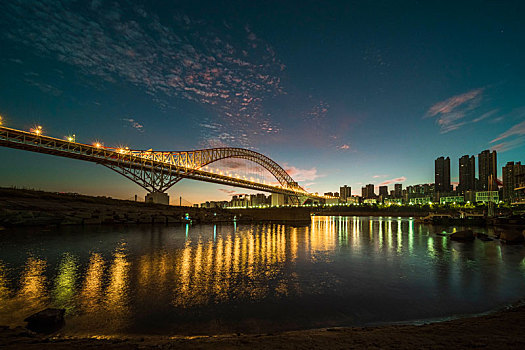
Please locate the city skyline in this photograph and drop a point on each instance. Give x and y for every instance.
(358, 94)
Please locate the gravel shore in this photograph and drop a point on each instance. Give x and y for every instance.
(498, 330)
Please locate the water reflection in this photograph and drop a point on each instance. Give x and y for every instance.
(257, 277)
(65, 283)
(91, 294)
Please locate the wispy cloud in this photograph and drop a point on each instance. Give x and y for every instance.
(16, 60)
(485, 116)
(393, 181)
(450, 113)
(379, 176)
(302, 174)
(508, 145)
(228, 192)
(47, 88)
(344, 147)
(185, 58)
(516, 130)
(134, 124)
(513, 137)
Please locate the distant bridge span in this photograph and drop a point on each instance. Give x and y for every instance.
(157, 171)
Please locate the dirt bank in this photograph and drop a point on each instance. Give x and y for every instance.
(498, 330)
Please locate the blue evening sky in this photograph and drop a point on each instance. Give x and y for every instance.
(350, 92)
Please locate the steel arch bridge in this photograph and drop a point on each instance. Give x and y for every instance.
(157, 171)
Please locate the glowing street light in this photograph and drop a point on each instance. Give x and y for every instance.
(36, 130)
(97, 144)
(1, 120)
(71, 138)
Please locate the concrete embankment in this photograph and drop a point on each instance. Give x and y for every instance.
(371, 213)
(303, 214)
(285, 215)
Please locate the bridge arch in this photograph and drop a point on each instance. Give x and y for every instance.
(212, 155)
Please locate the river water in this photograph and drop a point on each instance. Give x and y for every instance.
(260, 278)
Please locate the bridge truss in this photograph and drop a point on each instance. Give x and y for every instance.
(157, 171)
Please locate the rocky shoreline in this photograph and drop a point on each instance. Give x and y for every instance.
(500, 329)
(37, 208)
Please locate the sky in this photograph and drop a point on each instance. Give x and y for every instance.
(336, 92)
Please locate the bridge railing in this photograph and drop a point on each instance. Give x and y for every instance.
(185, 164)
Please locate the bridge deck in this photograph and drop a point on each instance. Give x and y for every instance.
(124, 158)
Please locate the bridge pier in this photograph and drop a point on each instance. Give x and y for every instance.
(158, 198)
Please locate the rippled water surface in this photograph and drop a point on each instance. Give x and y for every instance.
(338, 271)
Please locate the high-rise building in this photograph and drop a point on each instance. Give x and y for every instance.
(363, 192)
(345, 192)
(369, 191)
(383, 191)
(442, 175)
(258, 199)
(398, 190)
(511, 175)
(488, 166)
(467, 174)
(429, 189)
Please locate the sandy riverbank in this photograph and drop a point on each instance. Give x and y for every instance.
(498, 330)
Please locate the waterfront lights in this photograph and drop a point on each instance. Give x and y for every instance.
(1, 120)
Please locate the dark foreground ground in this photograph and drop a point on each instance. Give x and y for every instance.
(498, 330)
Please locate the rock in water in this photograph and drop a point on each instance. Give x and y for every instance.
(484, 237)
(466, 235)
(511, 236)
(46, 321)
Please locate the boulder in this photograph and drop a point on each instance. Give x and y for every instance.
(466, 235)
(511, 237)
(483, 236)
(46, 321)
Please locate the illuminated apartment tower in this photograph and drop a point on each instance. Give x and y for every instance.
(467, 174)
(487, 165)
(511, 175)
(442, 175)
(345, 192)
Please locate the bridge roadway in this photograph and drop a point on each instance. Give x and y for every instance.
(155, 171)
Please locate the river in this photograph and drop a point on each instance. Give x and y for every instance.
(252, 278)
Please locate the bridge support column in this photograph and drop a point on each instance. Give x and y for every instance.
(158, 198)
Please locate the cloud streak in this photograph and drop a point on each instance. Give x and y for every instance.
(228, 192)
(516, 130)
(299, 174)
(134, 124)
(508, 145)
(393, 181)
(514, 137)
(450, 114)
